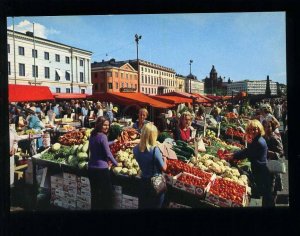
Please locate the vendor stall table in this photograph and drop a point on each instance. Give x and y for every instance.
(129, 184)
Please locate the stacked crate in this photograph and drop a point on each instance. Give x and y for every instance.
(124, 201)
(70, 192)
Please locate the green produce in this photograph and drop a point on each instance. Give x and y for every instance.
(63, 152)
(117, 169)
(72, 160)
(85, 147)
(74, 149)
(82, 165)
(181, 143)
(82, 156)
(114, 132)
(55, 146)
(79, 148)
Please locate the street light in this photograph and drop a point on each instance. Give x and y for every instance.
(191, 61)
(137, 38)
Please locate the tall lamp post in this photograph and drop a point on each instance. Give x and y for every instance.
(191, 61)
(137, 38)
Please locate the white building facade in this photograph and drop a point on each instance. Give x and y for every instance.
(155, 79)
(253, 87)
(34, 60)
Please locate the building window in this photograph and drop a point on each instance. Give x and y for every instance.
(57, 77)
(142, 79)
(122, 85)
(47, 72)
(46, 55)
(57, 57)
(151, 90)
(117, 85)
(34, 53)
(126, 85)
(126, 76)
(130, 76)
(8, 64)
(108, 74)
(81, 76)
(83, 91)
(68, 90)
(21, 69)
(110, 85)
(116, 74)
(121, 75)
(21, 51)
(142, 68)
(81, 62)
(67, 60)
(151, 79)
(142, 89)
(8, 48)
(57, 90)
(67, 76)
(35, 71)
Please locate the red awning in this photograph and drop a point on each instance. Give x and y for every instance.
(172, 99)
(69, 95)
(26, 93)
(130, 98)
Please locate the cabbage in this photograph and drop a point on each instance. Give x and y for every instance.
(55, 147)
(82, 164)
(72, 160)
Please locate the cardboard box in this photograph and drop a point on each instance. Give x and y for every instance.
(177, 205)
(80, 205)
(196, 190)
(222, 202)
(57, 179)
(57, 186)
(117, 189)
(68, 176)
(58, 202)
(83, 198)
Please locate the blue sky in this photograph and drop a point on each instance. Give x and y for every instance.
(239, 45)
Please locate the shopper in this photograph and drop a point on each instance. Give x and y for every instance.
(144, 154)
(275, 152)
(256, 152)
(163, 131)
(142, 120)
(183, 131)
(98, 167)
(111, 114)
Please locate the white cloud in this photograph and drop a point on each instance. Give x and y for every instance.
(39, 29)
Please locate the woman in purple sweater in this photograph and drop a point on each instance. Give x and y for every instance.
(100, 154)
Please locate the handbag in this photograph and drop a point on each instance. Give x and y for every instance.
(276, 166)
(158, 182)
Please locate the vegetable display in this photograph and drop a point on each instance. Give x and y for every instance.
(73, 137)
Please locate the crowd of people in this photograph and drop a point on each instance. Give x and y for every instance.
(268, 142)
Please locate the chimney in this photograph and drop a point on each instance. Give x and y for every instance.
(29, 33)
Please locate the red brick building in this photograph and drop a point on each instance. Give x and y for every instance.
(112, 76)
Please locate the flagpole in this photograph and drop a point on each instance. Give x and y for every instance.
(34, 55)
(15, 71)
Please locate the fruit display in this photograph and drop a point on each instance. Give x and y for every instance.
(226, 193)
(128, 164)
(74, 137)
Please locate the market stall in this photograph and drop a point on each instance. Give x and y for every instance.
(195, 177)
(68, 96)
(26, 93)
